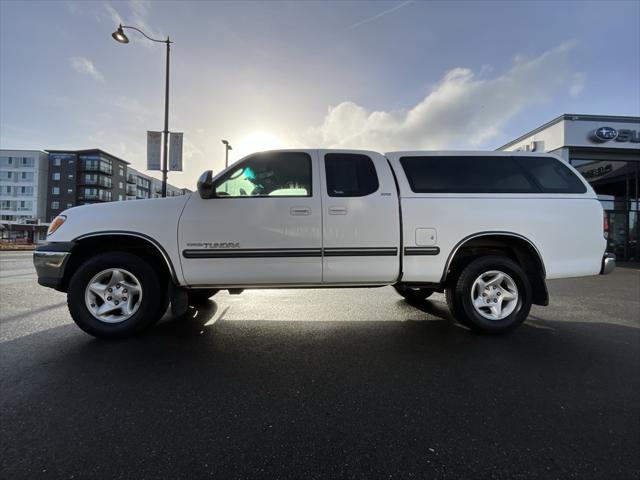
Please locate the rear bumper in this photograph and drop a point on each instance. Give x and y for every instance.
(50, 262)
(608, 263)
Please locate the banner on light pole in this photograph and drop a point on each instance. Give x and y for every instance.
(154, 147)
(175, 151)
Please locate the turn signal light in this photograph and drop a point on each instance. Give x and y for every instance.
(605, 225)
(56, 224)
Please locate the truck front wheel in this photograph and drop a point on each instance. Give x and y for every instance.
(116, 294)
(492, 294)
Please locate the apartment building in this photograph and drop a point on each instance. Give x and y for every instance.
(36, 186)
(23, 180)
(80, 177)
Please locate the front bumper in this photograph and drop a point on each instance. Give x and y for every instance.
(50, 262)
(608, 263)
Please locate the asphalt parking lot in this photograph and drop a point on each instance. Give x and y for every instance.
(323, 383)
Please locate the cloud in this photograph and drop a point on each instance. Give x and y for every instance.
(86, 67)
(72, 7)
(578, 85)
(463, 109)
(111, 13)
(378, 15)
(137, 16)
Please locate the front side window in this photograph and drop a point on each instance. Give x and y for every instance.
(350, 175)
(277, 174)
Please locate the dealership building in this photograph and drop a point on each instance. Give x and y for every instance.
(605, 149)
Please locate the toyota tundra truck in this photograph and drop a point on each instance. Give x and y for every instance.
(486, 228)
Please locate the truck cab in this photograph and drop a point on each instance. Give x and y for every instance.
(298, 218)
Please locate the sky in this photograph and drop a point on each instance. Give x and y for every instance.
(377, 75)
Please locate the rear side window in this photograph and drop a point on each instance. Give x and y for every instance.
(466, 174)
(350, 175)
(551, 175)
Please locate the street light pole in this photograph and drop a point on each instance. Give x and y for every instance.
(227, 147)
(120, 37)
(166, 125)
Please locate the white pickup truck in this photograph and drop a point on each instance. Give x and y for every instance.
(486, 228)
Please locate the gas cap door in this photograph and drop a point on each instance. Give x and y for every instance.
(426, 237)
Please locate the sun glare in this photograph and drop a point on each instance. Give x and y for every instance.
(257, 142)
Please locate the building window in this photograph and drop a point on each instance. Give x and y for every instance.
(57, 162)
(55, 176)
(121, 171)
(120, 185)
(55, 205)
(120, 197)
(69, 205)
(69, 190)
(55, 190)
(70, 176)
(28, 176)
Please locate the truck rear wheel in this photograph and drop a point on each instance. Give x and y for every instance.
(413, 294)
(116, 294)
(492, 294)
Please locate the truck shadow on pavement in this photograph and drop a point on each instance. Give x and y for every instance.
(309, 399)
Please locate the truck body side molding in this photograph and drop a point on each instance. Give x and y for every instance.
(290, 252)
(421, 250)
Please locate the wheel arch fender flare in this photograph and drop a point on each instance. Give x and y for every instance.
(140, 236)
(538, 283)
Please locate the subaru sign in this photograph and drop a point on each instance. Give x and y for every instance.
(606, 134)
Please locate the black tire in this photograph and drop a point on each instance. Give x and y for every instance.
(200, 296)
(413, 294)
(459, 295)
(153, 303)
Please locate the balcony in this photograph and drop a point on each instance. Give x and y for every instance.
(95, 166)
(95, 196)
(131, 190)
(93, 179)
(131, 178)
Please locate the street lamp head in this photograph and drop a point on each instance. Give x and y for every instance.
(225, 142)
(119, 35)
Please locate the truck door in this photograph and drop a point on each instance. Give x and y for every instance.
(262, 227)
(360, 218)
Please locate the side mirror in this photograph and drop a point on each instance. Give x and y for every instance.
(205, 185)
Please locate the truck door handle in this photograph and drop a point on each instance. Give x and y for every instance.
(337, 210)
(300, 211)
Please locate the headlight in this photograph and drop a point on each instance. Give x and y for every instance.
(56, 224)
